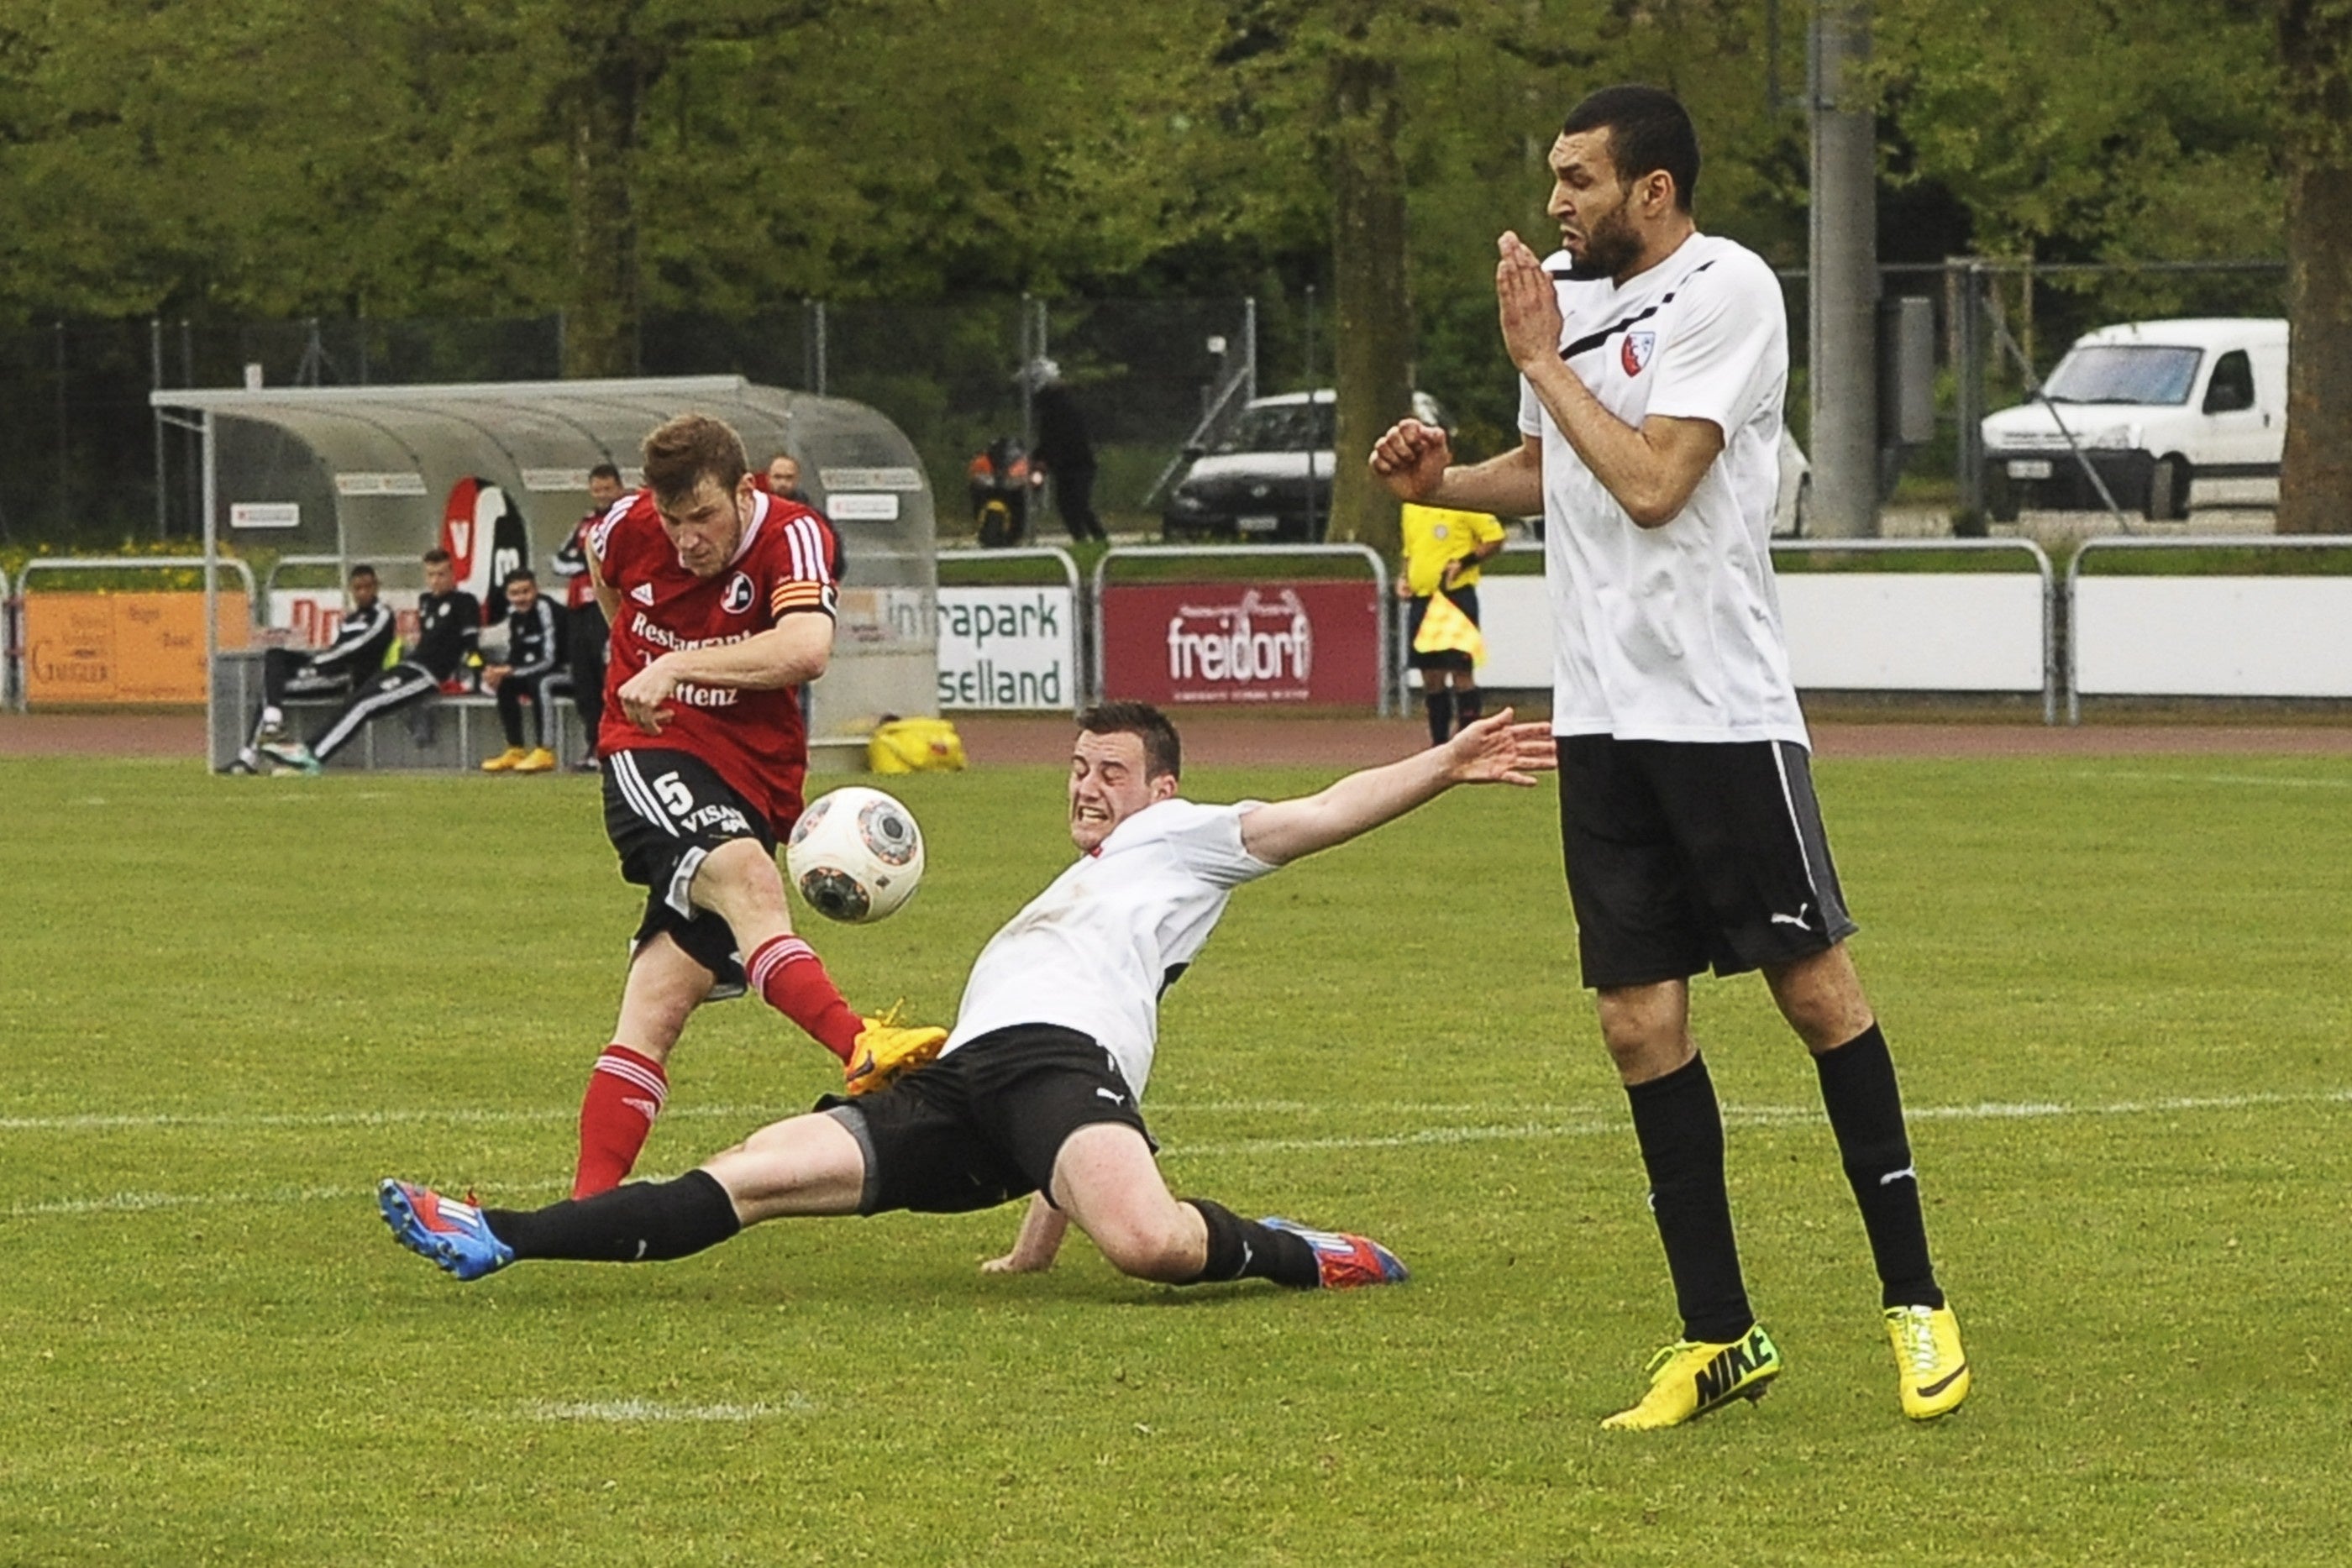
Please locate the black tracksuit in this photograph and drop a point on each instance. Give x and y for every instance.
(449, 627)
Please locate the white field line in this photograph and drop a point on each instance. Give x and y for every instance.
(2258, 780)
(1593, 1124)
(631, 1412)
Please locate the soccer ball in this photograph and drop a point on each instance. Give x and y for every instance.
(856, 854)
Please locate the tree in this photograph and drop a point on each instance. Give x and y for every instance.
(1372, 304)
(2315, 53)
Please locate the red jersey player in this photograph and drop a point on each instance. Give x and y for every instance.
(721, 602)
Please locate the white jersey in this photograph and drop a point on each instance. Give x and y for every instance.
(1672, 632)
(1094, 951)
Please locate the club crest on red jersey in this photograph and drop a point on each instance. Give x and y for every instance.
(739, 595)
(1635, 354)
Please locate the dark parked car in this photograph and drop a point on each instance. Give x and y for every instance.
(1268, 476)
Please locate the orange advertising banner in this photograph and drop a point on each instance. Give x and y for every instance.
(123, 647)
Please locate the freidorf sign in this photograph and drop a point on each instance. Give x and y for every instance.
(1315, 642)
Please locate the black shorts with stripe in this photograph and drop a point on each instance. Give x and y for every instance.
(1684, 856)
(665, 812)
(985, 1123)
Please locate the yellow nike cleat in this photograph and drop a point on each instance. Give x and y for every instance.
(504, 762)
(1691, 1377)
(886, 1051)
(538, 760)
(1933, 1369)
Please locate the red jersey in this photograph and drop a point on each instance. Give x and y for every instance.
(756, 740)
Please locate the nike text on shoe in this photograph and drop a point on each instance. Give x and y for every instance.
(1932, 1368)
(449, 1233)
(886, 1051)
(1345, 1263)
(1691, 1377)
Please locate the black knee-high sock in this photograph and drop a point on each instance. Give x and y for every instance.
(1243, 1250)
(1469, 704)
(643, 1222)
(1865, 1109)
(1439, 702)
(1681, 1131)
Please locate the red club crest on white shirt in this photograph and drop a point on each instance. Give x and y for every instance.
(1636, 352)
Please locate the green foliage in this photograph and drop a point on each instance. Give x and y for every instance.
(234, 1004)
(2091, 131)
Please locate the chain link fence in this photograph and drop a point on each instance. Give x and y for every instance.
(84, 462)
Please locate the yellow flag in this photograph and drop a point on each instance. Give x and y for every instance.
(1445, 630)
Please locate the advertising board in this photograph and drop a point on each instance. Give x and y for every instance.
(1314, 643)
(1008, 647)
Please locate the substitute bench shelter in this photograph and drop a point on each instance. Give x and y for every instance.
(497, 473)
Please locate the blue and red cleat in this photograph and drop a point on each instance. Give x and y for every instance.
(1345, 1263)
(449, 1233)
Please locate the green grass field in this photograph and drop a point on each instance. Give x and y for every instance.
(2117, 989)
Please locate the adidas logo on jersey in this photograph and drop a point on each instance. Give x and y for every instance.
(642, 593)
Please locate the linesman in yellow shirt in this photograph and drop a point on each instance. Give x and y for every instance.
(1442, 552)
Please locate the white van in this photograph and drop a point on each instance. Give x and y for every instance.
(2168, 412)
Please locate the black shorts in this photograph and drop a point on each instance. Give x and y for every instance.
(982, 1125)
(1684, 856)
(665, 812)
(1466, 601)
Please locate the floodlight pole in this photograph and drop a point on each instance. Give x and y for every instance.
(1843, 282)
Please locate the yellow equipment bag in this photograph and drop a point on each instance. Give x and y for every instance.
(915, 746)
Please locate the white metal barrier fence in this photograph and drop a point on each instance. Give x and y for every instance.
(1248, 642)
(2208, 634)
(1012, 645)
(19, 637)
(1978, 632)
(2194, 634)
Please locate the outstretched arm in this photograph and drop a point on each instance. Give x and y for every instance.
(1493, 751)
(1041, 1229)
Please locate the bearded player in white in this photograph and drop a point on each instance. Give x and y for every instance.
(1036, 1089)
(1653, 360)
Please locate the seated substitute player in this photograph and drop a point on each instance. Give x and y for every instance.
(448, 629)
(720, 599)
(1037, 1090)
(534, 661)
(363, 644)
(1442, 552)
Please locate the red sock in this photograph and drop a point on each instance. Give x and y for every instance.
(625, 1094)
(788, 973)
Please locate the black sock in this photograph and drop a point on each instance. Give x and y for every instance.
(1865, 1109)
(1440, 704)
(644, 1222)
(1243, 1250)
(1469, 704)
(1681, 1132)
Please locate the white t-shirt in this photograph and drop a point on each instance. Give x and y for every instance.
(1094, 951)
(1672, 632)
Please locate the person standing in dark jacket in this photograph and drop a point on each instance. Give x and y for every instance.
(1063, 449)
(534, 661)
(448, 628)
(585, 634)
